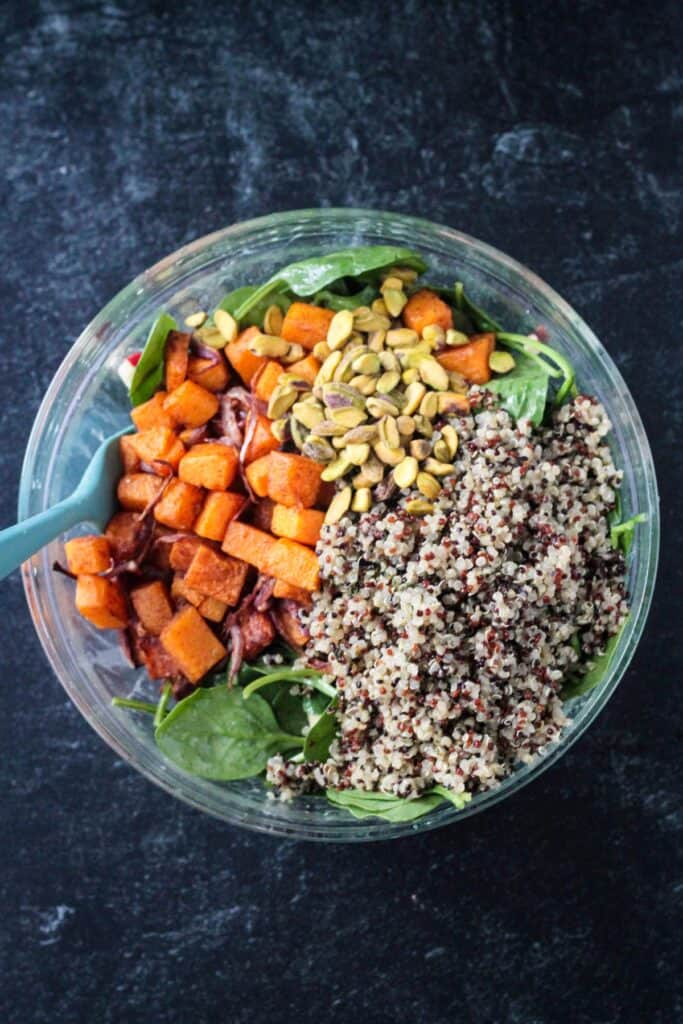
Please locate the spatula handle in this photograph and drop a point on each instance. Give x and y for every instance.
(18, 542)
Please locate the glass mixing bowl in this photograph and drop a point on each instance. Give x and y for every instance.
(86, 402)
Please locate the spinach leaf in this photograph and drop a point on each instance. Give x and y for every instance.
(579, 684)
(309, 676)
(621, 534)
(216, 734)
(382, 805)
(321, 734)
(289, 711)
(331, 300)
(134, 705)
(149, 373)
(481, 320)
(162, 706)
(254, 318)
(458, 800)
(306, 277)
(314, 703)
(524, 390)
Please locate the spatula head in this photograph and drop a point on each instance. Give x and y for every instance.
(97, 488)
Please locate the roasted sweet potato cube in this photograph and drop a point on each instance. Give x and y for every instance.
(306, 368)
(130, 460)
(101, 601)
(425, 308)
(152, 606)
(176, 358)
(257, 476)
(298, 594)
(471, 360)
(191, 643)
(168, 465)
(159, 553)
(90, 554)
(179, 505)
(293, 480)
(191, 405)
(217, 575)
(262, 440)
(212, 374)
(151, 444)
(209, 465)
(244, 362)
(122, 533)
(265, 381)
(152, 413)
(257, 631)
(262, 514)
(180, 591)
(183, 551)
(219, 508)
(213, 609)
(294, 563)
(306, 324)
(136, 490)
(302, 524)
(249, 544)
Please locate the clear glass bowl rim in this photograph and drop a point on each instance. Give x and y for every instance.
(176, 265)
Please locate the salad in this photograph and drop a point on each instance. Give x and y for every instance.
(369, 542)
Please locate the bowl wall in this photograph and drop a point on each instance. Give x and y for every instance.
(86, 402)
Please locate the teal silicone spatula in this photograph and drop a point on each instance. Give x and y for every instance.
(92, 501)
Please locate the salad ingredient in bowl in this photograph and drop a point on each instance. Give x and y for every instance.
(369, 541)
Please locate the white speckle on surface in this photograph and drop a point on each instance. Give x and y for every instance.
(50, 923)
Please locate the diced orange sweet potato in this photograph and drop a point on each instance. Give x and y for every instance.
(130, 461)
(209, 465)
(191, 405)
(213, 609)
(183, 551)
(210, 374)
(298, 594)
(302, 524)
(257, 631)
(425, 308)
(167, 465)
(181, 591)
(152, 606)
(265, 381)
(261, 514)
(306, 325)
(293, 480)
(152, 444)
(218, 510)
(176, 358)
(179, 505)
(90, 554)
(217, 575)
(471, 360)
(190, 642)
(152, 413)
(136, 490)
(306, 368)
(249, 544)
(294, 563)
(244, 362)
(257, 476)
(122, 532)
(262, 440)
(101, 601)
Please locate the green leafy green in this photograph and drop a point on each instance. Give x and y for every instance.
(458, 800)
(162, 706)
(622, 534)
(149, 373)
(523, 391)
(134, 705)
(306, 277)
(481, 320)
(580, 684)
(321, 734)
(254, 318)
(215, 734)
(332, 300)
(382, 805)
(309, 676)
(314, 703)
(549, 358)
(289, 711)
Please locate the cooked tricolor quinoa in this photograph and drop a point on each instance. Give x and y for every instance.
(448, 636)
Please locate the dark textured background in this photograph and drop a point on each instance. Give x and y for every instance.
(128, 130)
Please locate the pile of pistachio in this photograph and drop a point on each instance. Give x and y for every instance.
(370, 412)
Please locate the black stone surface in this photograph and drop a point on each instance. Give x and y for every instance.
(129, 128)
